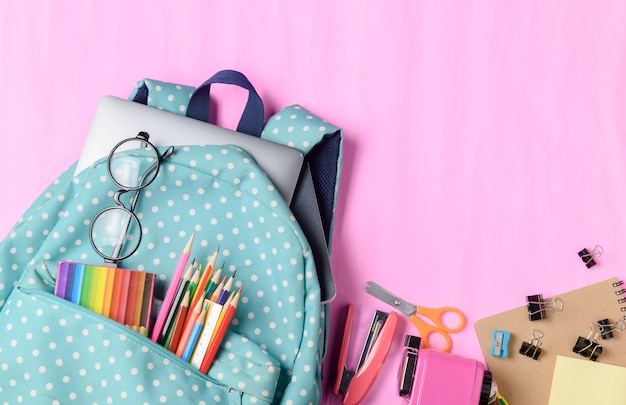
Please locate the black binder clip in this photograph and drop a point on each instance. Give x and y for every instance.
(537, 307)
(607, 328)
(531, 349)
(588, 257)
(589, 347)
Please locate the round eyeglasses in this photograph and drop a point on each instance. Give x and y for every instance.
(115, 232)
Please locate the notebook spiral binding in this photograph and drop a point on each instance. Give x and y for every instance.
(621, 292)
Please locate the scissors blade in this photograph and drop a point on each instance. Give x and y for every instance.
(390, 298)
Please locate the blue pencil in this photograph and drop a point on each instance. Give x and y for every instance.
(195, 334)
(69, 286)
(78, 283)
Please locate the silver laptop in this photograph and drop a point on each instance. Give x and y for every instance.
(117, 119)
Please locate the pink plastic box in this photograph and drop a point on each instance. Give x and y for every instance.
(442, 378)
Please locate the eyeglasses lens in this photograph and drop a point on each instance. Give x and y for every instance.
(133, 164)
(116, 232)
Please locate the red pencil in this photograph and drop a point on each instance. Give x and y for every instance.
(219, 334)
(121, 310)
(179, 323)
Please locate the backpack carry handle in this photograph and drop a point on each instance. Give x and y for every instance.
(251, 121)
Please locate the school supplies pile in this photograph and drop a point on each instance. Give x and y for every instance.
(197, 310)
(122, 295)
(272, 348)
(521, 346)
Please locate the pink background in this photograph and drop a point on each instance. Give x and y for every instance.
(485, 142)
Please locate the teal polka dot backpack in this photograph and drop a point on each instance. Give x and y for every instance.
(53, 351)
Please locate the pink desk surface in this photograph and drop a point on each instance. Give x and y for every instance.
(485, 142)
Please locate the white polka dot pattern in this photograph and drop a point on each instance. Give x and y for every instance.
(50, 348)
(165, 96)
(296, 127)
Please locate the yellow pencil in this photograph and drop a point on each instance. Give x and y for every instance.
(108, 291)
(97, 288)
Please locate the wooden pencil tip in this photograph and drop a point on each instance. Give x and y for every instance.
(190, 242)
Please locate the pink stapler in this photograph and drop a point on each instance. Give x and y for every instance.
(354, 385)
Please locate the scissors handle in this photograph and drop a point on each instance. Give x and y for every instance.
(436, 315)
(425, 330)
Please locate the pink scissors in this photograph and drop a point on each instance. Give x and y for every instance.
(434, 315)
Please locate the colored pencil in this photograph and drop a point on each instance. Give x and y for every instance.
(146, 306)
(192, 317)
(61, 283)
(93, 283)
(92, 287)
(195, 333)
(193, 283)
(218, 290)
(171, 315)
(204, 280)
(78, 283)
(115, 298)
(171, 291)
(215, 279)
(179, 323)
(226, 290)
(141, 285)
(121, 311)
(207, 332)
(221, 331)
(85, 288)
(69, 286)
(108, 291)
(129, 316)
(99, 288)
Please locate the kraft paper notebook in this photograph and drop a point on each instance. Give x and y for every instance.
(523, 380)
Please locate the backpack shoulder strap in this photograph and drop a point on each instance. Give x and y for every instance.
(321, 144)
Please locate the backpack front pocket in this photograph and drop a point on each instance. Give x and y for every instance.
(53, 351)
